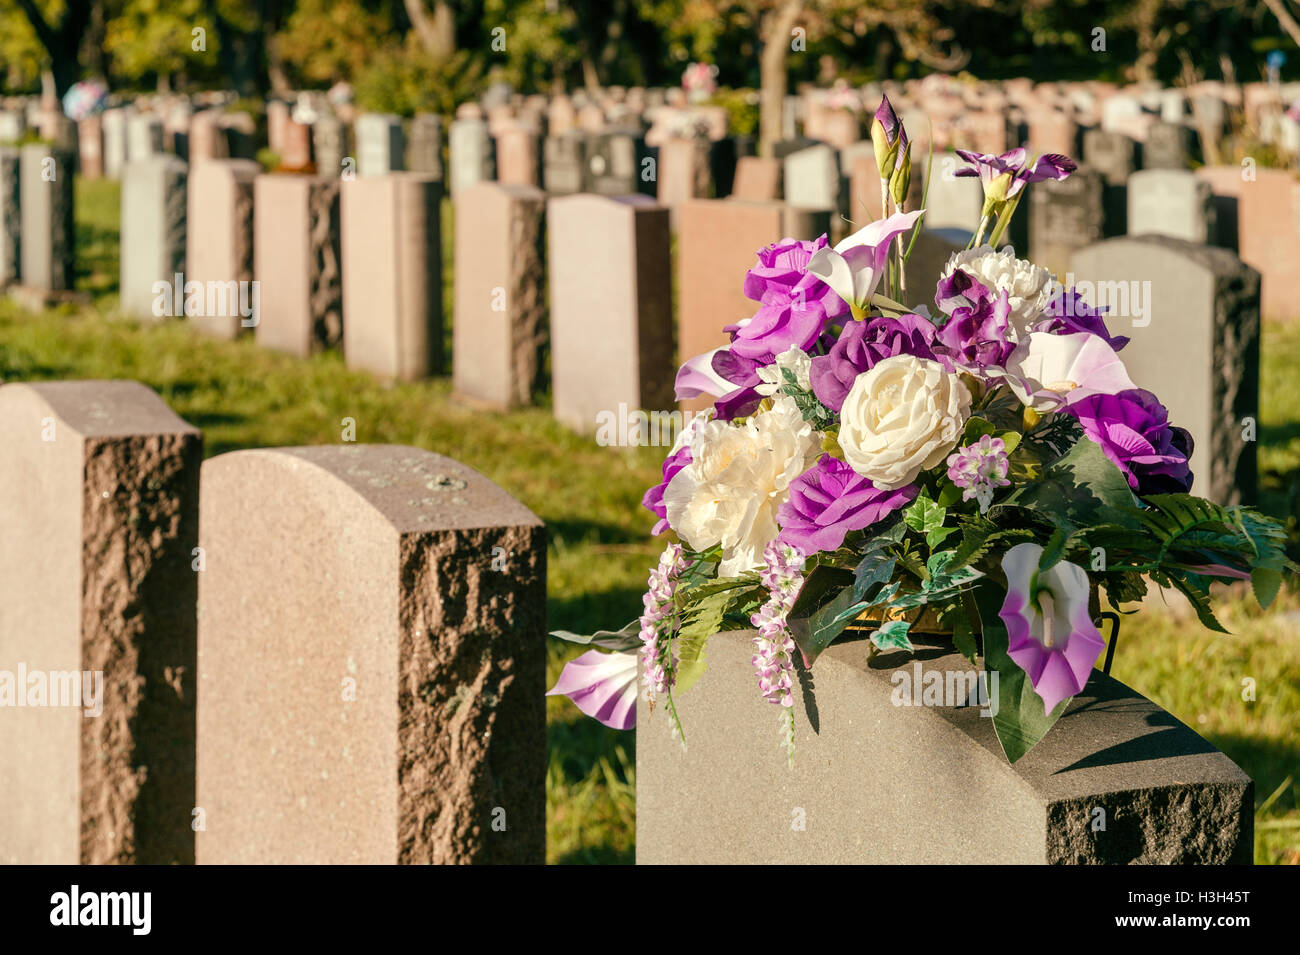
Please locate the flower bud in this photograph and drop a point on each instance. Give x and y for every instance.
(886, 152)
(901, 180)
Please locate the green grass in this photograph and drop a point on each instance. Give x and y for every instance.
(599, 550)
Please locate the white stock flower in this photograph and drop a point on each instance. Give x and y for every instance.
(737, 478)
(773, 375)
(1030, 285)
(902, 417)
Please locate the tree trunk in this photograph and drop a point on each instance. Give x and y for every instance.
(437, 31)
(62, 43)
(772, 71)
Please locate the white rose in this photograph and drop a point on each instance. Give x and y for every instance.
(1030, 286)
(737, 478)
(902, 417)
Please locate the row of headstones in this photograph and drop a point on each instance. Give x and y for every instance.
(587, 279)
(293, 655)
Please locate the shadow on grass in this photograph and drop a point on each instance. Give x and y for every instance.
(586, 613)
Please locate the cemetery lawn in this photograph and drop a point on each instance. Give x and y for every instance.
(599, 548)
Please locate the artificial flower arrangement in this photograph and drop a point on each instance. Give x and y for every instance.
(982, 469)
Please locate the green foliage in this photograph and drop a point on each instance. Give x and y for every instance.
(156, 38)
(406, 81)
(742, 110)
(325, 41)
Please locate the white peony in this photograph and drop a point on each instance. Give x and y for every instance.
(737, 478)
(902, 417)
(773, 375)
(1031, 286)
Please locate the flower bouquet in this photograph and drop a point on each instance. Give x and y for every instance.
(984, 468)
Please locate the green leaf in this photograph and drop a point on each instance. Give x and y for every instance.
(1081, 488)
(627, 638)
(872, 574)
(893, 636)
(814, 633)
(702, 621)
(937, 536)
(976, 428)
(1054, 549)
(926, 516)
(1020, 721)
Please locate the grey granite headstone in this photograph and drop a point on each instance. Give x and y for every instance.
(813, 181)
(329, 142)
(379, 144)
(1063, 217)
(47, 206)
(471, 154)
(880, 779)
(144, 136)
(153, 233)
(115, 121)
(564, 164)
(951, 202)
(1192, 313)
(1171, 202)
(424, 145)
(1113, 155)
(614, 164)
(11, 225)
(1168, 146)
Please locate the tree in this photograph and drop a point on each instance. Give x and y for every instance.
(325, 41)
(158, 38)
(60, 36)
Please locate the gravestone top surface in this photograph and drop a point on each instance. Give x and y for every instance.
(99, 409)
(1215, 260)
(414, 490)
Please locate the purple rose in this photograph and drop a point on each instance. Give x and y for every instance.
(1133, 430)
(1068, 313)
(831, 499)
(653, 500)
(976, 336)
(860, 346)
(794, 305)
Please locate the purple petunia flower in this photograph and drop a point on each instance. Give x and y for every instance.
(1050, 634)
(1132, 428)
(1067, 312)
(794, 305)
(831, 499)
(603, 685)
(862, 344)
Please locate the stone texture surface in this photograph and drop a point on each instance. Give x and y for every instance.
(611, 307)
(297, 262)
(757, 178)
(372, 564)
(99, 499)
(47, 208)
(380, 146)
(154, 210)
(392, 275)
(880, 783)
(500, 328)
(813, 181)
(1199, 353)
(219, 249)
(329, 138)
(424, 145)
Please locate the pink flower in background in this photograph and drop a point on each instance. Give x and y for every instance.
(602, 685)
(1050, 634)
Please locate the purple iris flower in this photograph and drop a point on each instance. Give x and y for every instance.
(1004, 176)
(860, 346)
(1133, 429)
(831, 499)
